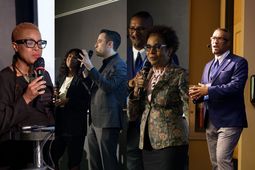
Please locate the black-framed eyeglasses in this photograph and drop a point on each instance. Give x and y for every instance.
(30, 43)
(137, 29)
(154, 47)
(220, 39)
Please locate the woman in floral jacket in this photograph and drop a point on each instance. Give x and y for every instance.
(161, 98)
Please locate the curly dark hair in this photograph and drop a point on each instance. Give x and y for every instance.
(167, 34)
(63, 71)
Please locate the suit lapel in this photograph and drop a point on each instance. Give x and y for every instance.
(209, 66)
(130, 64)
(109, 66)
(222, 66)
(105, 71)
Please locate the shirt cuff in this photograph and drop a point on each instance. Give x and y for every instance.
(206, 98)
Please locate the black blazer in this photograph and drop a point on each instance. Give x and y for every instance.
(72, 118)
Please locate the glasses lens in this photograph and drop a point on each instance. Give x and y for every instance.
(158, 46)
(148, 47)
(30, 43)
(42, 44)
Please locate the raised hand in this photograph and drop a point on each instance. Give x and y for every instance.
(34, 89)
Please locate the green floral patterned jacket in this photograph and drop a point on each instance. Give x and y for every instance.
(167, 113)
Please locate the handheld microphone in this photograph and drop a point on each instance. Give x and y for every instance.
(145, 71)
(146, 68)
(90, 53)
(39, 67)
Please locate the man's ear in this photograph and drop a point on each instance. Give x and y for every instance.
(15, 46)
(110, 44)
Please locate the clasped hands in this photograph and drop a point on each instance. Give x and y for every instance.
(197, 91)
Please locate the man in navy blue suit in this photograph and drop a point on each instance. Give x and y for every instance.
(222, 91)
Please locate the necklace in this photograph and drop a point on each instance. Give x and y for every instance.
(26, 76)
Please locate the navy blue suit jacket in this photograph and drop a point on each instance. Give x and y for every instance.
(225, 106)
(130, 64)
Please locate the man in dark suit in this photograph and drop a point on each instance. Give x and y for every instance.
(108, 96)
(221, 90)
(136, 57)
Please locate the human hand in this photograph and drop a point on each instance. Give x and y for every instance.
(34, 89)
(85, 60)
(195, 92)
(138, 83)
(61, 101)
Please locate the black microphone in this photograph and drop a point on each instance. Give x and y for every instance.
(39, 67)
(208, 45)
(146, 68)
(145, 71)
(90, 53)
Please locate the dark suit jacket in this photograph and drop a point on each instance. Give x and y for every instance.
(108, 94)
(130, 64)
(225, 106)
(72, 118)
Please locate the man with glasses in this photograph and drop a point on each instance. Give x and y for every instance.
(25, 99)
(139, 25)
(222, 91)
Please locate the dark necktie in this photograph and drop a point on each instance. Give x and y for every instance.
(138, 62)
(214, 69)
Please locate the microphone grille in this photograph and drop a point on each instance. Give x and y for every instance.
(90, 53)
(39, 63)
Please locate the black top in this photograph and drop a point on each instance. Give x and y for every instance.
(14, 112)
(71, 120)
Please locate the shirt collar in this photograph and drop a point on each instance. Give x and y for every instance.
(221, 57)
(108, 59)
(142, 52)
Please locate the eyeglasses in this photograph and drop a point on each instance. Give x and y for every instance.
(220, 39)
(30, 43)
(137, 29)
(154, 47)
